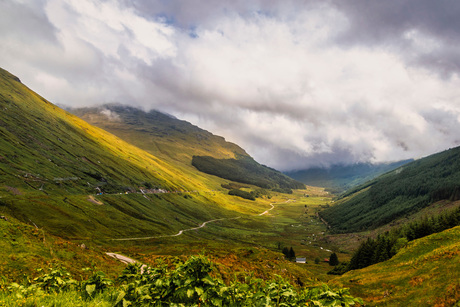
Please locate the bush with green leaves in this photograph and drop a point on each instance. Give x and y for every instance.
(194, 282)
(96, 283)
(57, 280)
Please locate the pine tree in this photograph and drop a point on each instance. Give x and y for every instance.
(285, 252)
(291, 254)
(333, 259)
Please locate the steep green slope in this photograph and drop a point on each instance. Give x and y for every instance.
(398, 193)
(339, 178)
(48, 150)
(424, 273)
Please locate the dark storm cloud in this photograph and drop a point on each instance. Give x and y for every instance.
(424, 32)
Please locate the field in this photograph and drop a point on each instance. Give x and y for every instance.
(290, 221)
(424, 273)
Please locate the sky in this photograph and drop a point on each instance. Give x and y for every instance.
(297, 84)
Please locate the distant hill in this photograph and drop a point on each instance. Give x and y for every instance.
(401, 192)
(184, 144)
(339, 178)
(161, 134)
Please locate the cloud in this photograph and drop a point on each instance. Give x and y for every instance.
(297, 84)
(422, 32)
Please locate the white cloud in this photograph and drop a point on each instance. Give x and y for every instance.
(274, 81)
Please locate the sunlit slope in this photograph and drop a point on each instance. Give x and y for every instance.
(425, 273)
(161, 134)
(46, 149)
(401, 192)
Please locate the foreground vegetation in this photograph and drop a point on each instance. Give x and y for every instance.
(193, 283)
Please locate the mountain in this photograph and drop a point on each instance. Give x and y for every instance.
(185, 145)
(47, 150)
(399, 193)
(339, 178)
(52, 165)
(161, 134)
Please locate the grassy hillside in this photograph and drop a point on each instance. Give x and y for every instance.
(339, 178)
(25, 248)
(47, 150)
(401, 192)
(163, 135)
(424, 273)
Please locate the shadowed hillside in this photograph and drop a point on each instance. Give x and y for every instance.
(401, 192)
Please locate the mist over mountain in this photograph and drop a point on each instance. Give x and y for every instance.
(339, 178)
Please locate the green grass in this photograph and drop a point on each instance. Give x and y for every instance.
(24, 248)
(424, 273)
(292, 223)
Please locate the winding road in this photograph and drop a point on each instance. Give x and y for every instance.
(128, 260)
(194, 228)
(180, 231)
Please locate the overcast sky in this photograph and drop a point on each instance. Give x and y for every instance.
(295, 83)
